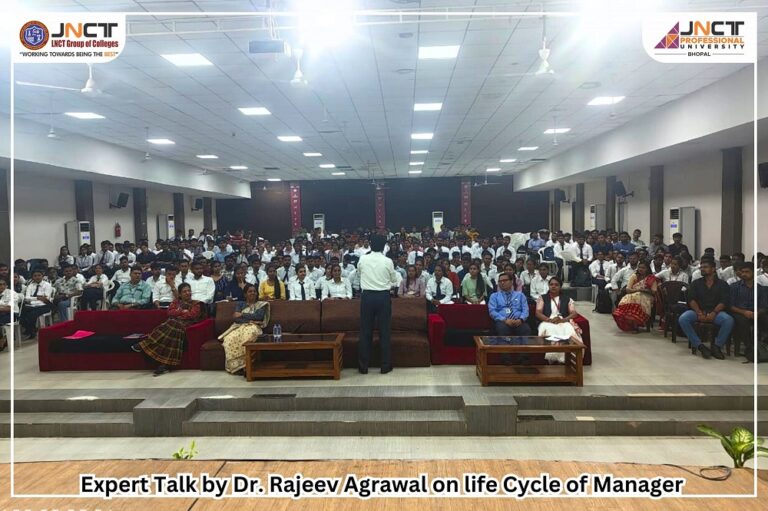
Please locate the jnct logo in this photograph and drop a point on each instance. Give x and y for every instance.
(707, 28)
(85, 30)
(33, 35)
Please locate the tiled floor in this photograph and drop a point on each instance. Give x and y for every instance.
(685, 451)
(618, 359)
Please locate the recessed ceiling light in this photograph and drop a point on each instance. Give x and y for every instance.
(238, 167)
(414, 172)
(84, 115)
(528, 148)
(255, 110)
(187, 59)
(414, 163)
(605, 100)
(438, 52)
(419, 151)
(338, 173)
(207, 156)
(274, 179)
(556, 131)
(160, 141)
(312, 155)
(508, 160)
(421, 136)
(427, 107)
(327, 166)
(289, 138)
(493, 169)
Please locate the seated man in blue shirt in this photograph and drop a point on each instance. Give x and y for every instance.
(509, 308)
(134, 294)
(624, 245)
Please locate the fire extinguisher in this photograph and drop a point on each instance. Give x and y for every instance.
(117, 230)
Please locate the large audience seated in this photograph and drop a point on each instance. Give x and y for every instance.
(513, 275)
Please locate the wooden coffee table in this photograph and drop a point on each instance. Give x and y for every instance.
(511, 372)
(255, 367)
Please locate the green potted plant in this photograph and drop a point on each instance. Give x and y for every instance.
(740, 444)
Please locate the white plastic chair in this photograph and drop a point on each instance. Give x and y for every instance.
(73, 303)
(104, 301)
(15, 328)
(567, 256)
(46, 319)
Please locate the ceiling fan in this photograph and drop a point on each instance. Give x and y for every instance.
(545, 67)
(89, 89)
(484, 182)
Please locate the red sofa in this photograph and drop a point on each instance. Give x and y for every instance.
(451, 328)
(54, 355)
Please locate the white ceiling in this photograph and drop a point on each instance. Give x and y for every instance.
(358, 107)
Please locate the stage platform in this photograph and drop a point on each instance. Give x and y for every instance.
(62, 479)
(639, 387)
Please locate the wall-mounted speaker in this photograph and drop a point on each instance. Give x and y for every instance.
(121, 202)
(560, 195)
(198, 205)
(620, 191)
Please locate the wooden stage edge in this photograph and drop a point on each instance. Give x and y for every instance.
(62, 478)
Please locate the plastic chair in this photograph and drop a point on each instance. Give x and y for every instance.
(74, 301)
(105, 301)
(46, 319)
(551, 263)
(673, 292)
(15, 327)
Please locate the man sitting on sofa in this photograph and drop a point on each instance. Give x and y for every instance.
(134, 294)
(509, 308)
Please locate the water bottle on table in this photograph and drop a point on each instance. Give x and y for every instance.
(277, 333)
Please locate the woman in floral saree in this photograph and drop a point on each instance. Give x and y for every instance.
(636, 307)
(250, 317)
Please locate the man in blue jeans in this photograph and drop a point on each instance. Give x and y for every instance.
(708, 298)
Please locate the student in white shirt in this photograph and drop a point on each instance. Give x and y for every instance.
(302, 288)
(203, 288)
(165, 288)
(530, 272)
(726, 271)
(674, 273)
(286, 272)
(8, 304)
(255, 274)
(540, 283)
(439, 289)
(599, 271)
(184, 275)
(338, 287)
(38, 300)
(123, 274)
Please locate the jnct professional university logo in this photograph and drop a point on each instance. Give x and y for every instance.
(701, 37)
(33, 35)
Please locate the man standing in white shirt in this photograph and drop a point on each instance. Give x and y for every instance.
(377, 276)
(203, 288)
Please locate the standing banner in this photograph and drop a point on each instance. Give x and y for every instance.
(381, 217)
(466, 202)
(295, 191)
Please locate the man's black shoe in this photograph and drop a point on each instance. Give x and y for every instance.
(705, 353)
(385, 370)
(717, 352)
(362, 370)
